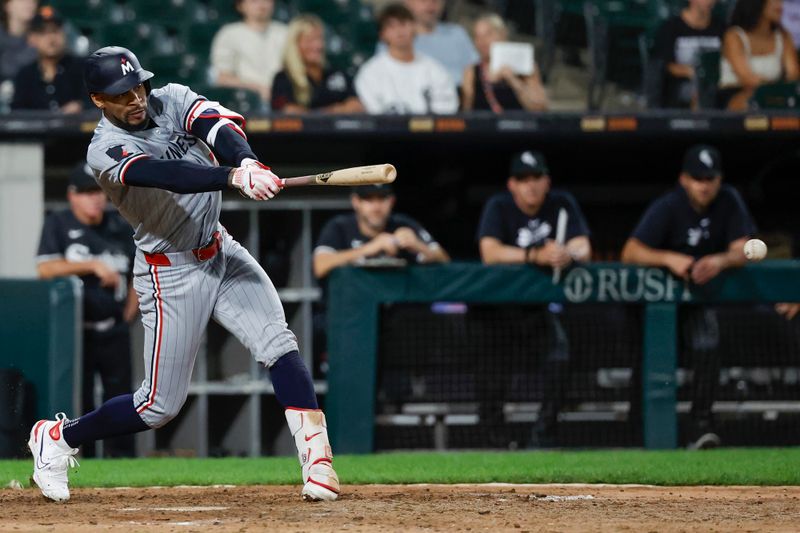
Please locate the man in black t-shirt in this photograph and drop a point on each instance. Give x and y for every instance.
(55, 80)
(371, 235)
(86, 241)
(679, 42)
(373, 231)
(520, 225)
(697, 230)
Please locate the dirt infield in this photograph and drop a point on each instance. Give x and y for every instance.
(385, 508)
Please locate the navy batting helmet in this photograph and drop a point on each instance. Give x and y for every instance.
(113, 70)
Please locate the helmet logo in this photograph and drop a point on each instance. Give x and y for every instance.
(126, 66)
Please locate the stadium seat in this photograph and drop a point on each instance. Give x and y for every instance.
(175, 14)
(652, 72)
(146, 40)
(88, 12)
(240, 100)
(221, 11)
(613, 28)
(187, 69)
(707, 79)
(777, 96)
(199, 37)
(333, 12)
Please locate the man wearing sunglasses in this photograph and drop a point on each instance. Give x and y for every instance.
(697, 230)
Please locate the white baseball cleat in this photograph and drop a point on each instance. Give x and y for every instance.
(314, 451)
(52, 457)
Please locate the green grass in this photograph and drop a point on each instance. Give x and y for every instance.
(767, 466)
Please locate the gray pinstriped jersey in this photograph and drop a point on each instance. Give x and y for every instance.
(162, 221)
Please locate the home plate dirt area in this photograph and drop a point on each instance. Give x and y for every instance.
(494, 507)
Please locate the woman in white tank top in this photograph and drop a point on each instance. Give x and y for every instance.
(756, 50)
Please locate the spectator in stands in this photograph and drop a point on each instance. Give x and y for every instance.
(399, 80)
(305, 83)
(503, 90)
(756, 50)
(679, 42)
(696, 231)
(519, 226)
(55, 80)
(15, 51)
(86, 241)
(445, 42)
(248, 54)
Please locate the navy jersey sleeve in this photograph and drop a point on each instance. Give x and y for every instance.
(576, 222)
(282, 91)
(740, 223)
(332, 237)
(51, 243)
(653, 227)
(491, 223)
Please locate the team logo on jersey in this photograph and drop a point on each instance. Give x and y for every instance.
(117, 153)
(126, 66)
(695, 235)
(536, 231)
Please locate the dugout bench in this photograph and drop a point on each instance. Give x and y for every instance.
(356, 296)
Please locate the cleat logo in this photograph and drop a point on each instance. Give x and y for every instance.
(55, 432)
(308, 438)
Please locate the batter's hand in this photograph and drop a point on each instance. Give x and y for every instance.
(255, 181)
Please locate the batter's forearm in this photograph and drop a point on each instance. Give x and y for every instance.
(176, 176)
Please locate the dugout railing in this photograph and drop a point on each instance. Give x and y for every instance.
(358, 299)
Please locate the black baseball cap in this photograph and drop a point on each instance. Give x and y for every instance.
(379, 189)
(81, 179)
(702, 162)
(528, 163)
(45, 15)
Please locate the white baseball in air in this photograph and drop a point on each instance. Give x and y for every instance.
(755, 250)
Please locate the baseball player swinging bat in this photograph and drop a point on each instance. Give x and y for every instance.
(369, 175)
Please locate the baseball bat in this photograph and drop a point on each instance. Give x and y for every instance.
(369, 175)
(561, 234)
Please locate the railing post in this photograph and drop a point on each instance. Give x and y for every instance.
(660, 424)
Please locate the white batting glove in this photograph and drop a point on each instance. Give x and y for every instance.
(255, 182)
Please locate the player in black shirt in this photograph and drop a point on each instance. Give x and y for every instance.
(55, 80)
(305, 83)
(696, 231)
(373, 231)
(520, 225)
(86, 241)
(678, 44)
(371, 234)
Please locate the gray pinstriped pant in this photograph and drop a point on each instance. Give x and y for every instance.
(177, 302)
